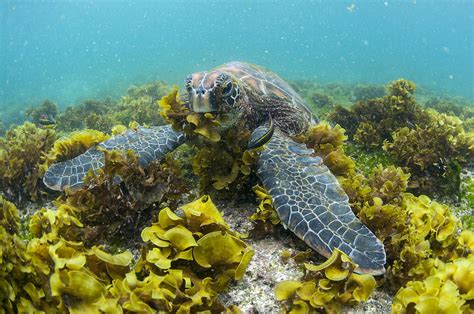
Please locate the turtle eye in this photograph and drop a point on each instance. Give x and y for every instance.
(227, 88)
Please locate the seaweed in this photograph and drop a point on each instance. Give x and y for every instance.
(326, 287)
(365, 92)
(221, 161)
(373, 120)
(70, 146)
(140, 105)
(327, 143)
(107, 208)
(412, 228)
(433, 153)
(450, 106)
(90, 114)
(448, 287)
(20, 158)
(56, 271)
(432, 146)
(47, 109)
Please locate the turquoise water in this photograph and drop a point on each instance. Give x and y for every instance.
(68, 51)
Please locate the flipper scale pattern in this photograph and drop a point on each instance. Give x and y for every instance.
(148, 143)
(311, 203)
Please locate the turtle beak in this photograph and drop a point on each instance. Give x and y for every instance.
(202, 101)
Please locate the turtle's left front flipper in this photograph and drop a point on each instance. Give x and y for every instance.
(311, 203)
(148, 143)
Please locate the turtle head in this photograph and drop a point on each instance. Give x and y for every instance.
(212, 92)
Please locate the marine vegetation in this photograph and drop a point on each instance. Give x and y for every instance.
(72, 145)
(179, 269)
(47, 110)
(326, 287)
(90, 114)
(365, 92)
(414, 230)
(451, 106)
(370, 122)
(107, 208)
(327, 143)
(465, 208)
(2, 128)
(220, 160)
(21, 151)
(432, 146)
(140, 105)
(127, 239)
(447, 288)
(434, 153)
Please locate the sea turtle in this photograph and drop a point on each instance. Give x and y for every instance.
(306, 195)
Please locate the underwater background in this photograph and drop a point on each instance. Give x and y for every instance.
(196, 230)
(71, 50)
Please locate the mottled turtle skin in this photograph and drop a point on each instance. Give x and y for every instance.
(307, 197)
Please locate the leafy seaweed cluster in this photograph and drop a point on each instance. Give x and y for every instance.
(47, 110)
(433, 152)
(20, 157)
(57, 272)
(265, 210)
(415, 231)
(122, 192)
(68, 147)
(432, 146)
(53, 272)
(365, 92)
(326, 287)
(451, 106)
(448, 288)
(196, 244)
(466, 206)
(327, 143)
(140, 104)
(370, 122)
(90, 114)
(220, 160)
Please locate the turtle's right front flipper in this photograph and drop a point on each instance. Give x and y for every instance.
(148, 143)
